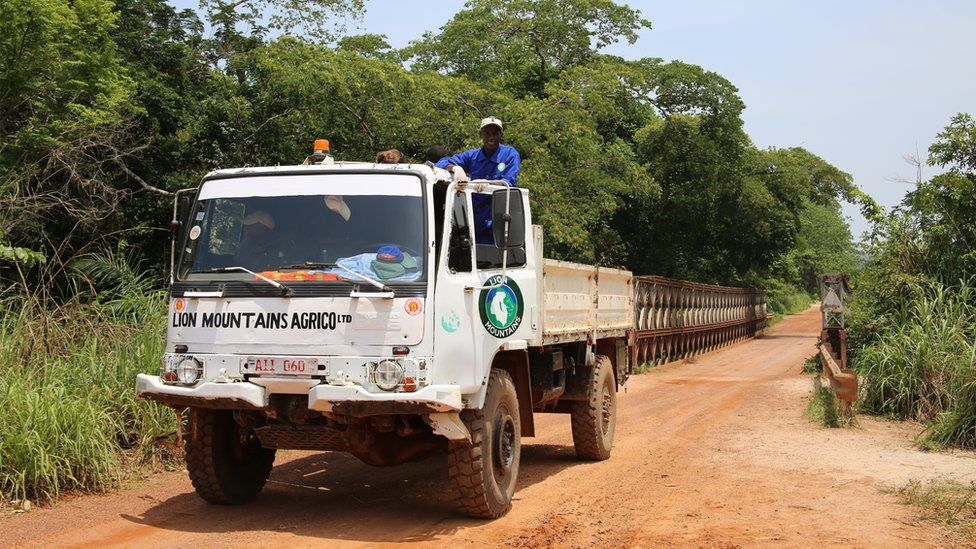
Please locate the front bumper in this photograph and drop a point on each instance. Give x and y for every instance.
(351, 400)
(221, 396)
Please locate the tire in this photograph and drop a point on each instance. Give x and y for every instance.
(595, 419)
(484, 473)
(226, 466)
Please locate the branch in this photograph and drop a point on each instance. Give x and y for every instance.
(142, 183)
(254, 134)
(369, 132)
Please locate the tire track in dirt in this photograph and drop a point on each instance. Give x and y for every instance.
(702, 405)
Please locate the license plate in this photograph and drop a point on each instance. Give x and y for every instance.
(282, 365)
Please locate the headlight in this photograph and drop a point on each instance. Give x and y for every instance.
(387, 375)
(188, 371)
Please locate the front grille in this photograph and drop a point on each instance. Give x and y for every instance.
(311, 437)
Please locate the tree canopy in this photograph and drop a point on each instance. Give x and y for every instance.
(520, 45)
(107, 107)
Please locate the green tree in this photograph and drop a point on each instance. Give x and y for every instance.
(956, 145)
(695, 152)
(65, 99)
(520, 45)
(928, 239)
(374, 46)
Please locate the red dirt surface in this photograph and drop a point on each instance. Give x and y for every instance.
(712, 452)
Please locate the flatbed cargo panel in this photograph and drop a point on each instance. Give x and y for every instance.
(580, 301)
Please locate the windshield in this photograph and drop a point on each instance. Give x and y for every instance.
(307, 228)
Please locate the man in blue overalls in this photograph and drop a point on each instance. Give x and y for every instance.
(490, 161)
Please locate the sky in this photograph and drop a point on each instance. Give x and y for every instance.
(861, 83)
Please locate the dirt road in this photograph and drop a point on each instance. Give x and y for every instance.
(713, 452)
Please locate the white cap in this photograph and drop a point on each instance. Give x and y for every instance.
(490, 121)
(338, 205)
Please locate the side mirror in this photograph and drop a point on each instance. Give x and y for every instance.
(182, 200)
(508, 216)
(182, 205)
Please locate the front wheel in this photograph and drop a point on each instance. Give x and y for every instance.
(227, 465)
(483, 474)
(595, 419)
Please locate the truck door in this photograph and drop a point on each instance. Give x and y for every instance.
(506, 300)
(456, 348)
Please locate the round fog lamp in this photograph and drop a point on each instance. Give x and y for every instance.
(188, 371)
(387, 374)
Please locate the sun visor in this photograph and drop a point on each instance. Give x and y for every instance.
(379, 184)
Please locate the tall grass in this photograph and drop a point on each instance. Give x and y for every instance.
(822, 407)
(69, 419)
(922, 366)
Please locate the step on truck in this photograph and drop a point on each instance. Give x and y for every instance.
(347, 306)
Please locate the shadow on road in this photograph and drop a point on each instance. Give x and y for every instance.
(787, 336)
(334, 495)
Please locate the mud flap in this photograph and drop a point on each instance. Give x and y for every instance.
(448, 425)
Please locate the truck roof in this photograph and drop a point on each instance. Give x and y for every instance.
(433, 174)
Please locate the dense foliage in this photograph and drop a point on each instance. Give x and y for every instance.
(914, 320)
(107, 107)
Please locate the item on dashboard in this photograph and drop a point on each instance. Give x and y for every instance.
(298, 276)
(392, 262)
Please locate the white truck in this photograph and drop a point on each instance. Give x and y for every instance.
(346, 306)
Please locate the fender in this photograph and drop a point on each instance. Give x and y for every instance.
(516, 363)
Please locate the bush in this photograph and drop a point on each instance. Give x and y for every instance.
(922, 364)
(67, 379)
(812, 365)
(786, 299)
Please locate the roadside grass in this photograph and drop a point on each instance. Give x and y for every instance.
(923, 366)
(824, 407)
(782, 302)
(947, 502)
(812, 365)
(69, 419)
(643, 368)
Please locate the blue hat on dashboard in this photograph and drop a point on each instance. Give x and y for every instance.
(391, 262)
(390, 254)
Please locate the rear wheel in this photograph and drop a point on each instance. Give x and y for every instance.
(227, 464)
(484, 473)
(595, 419)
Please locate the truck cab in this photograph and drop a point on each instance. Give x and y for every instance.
(344, 306)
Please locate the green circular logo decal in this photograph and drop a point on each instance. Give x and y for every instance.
(501, 308)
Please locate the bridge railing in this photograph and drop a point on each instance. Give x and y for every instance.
(677, 319)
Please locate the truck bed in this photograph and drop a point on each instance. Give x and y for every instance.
(581, 302)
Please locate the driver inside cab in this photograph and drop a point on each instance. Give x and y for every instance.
(261, 247)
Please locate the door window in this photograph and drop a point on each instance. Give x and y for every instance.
(459, 246)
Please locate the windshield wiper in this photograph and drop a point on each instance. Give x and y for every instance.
(382, 287)
(284, 290)
(307, 265)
